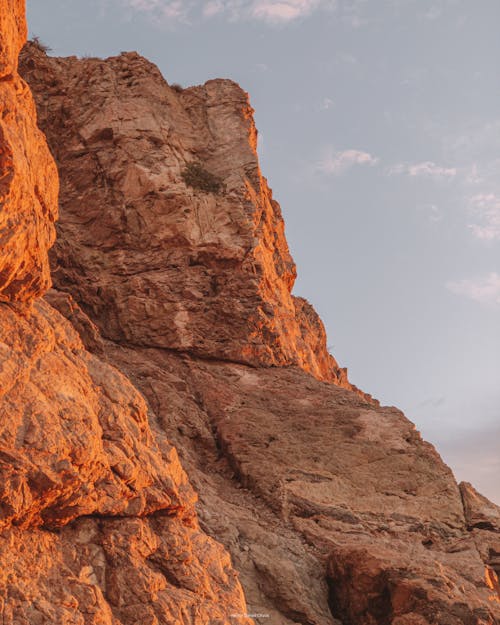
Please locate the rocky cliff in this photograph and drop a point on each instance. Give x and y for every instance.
(97, 518)
(156, 262)
(334, 509)
(28, 176)
(171, 267)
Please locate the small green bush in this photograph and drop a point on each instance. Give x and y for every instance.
(38, 43)
(196, 176)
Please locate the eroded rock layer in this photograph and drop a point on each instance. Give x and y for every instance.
(334, 510)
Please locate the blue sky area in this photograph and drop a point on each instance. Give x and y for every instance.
(380, 136)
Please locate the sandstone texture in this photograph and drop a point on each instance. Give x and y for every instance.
(97, 517)
(333, 508)
(28, 176)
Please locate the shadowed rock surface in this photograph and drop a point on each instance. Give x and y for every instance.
(334, 510)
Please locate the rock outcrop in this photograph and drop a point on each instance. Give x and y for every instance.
(334, 510)
(28, 176)
(156, 262)
(97, 517)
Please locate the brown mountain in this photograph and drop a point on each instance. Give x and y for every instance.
(172, 268)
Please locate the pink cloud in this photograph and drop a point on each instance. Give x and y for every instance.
(338, 162)
(485, 290)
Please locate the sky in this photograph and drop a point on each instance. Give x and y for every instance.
(379, 132)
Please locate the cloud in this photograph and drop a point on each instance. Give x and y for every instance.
(486, 206)
(353, 13)
(433, 402)
(214, 7)
(476, 141)
(485, 289)
(434, 213)
(474, 174)
(337, 163)
(326, 104)
(269, 11)
(284, 10)
(168, 11)
(427, 169)
(143, 5)
(433, 13)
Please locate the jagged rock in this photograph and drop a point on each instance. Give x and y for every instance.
(88, 331)
(97, 518)
(28, 176)
(480, 512)
(334, 509)
(109, 571)
(483, 521)
(159, 263)
(78, 457)
(74, 433)
(356, 504)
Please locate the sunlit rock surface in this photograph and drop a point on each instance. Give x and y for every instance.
(28, 176)
(334, 510)
(156, 262)
(97, 517)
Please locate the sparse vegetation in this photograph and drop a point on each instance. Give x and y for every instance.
(176, 87)
(196, 176)
(38, 43)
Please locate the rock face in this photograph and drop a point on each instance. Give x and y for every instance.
(97, 517)
(97, 521)
(334, 510)
(28, 176)
(156, 262)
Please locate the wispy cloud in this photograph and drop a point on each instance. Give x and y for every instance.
(474, 174)
(353, 13)
(432, 402)
(286, 10)
(427, 169)
(214, 7)
(433, 13)
(269, 11)
(486, 206)
(326, 104)
(143, 5)
(336, 163)
(485, 289)
(434, 213)
(475, 141)
(164, 10)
